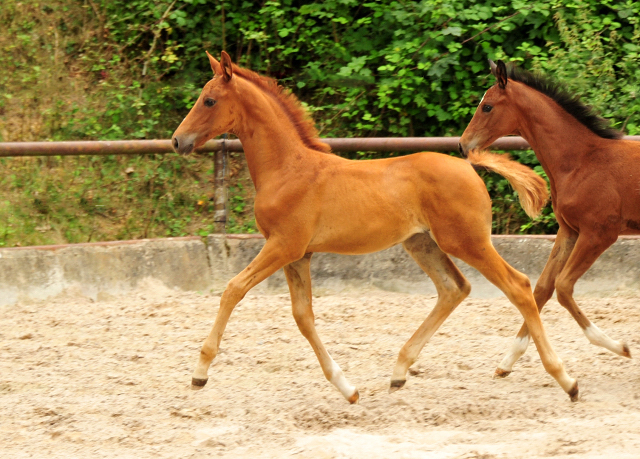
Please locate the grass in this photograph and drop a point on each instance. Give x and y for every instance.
(83, 199)
(61, 80)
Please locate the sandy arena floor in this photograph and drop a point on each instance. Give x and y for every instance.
(84, 379)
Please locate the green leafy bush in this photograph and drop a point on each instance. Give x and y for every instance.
(115, 69)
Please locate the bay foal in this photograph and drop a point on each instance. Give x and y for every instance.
(594, 177)
(308, 200)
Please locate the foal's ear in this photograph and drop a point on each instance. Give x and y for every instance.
(227, 66)
(215, 65)
(501, 74)
(492, 65)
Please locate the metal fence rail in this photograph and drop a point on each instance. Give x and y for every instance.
(141, 147)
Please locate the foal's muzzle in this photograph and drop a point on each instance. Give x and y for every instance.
(183, 145)
(462, 151)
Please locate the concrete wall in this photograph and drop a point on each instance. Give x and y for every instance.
(102, 269)
(99, 270)
(617, 271)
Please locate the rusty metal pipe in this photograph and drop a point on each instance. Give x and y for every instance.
(102, 147)
(415, 144)
(141, 147)
(425, 143)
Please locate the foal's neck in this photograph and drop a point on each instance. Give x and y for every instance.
(559, 140)
(269, 138)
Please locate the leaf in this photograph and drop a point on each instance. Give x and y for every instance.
(455, 31)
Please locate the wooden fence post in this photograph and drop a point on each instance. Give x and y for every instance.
(220, 188)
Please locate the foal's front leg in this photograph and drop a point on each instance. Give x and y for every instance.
(562, 247)
(273, 256)
(588, 248)
(299, 279)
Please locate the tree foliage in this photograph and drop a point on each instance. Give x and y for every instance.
(364, 68)
(386, 68)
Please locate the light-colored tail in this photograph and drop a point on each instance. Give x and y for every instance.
(532, 189)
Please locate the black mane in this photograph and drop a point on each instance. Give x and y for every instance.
(571, 103)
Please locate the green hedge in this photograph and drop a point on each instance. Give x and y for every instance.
(398, 68)
(379, 68)
(385, 68)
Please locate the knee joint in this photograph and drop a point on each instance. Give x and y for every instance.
(524, 282)
(301, 316)
(455, 287)
(542, 293)
(233, 292)
(564, 289)
(457, 294)
(521, 290)
(304, 320)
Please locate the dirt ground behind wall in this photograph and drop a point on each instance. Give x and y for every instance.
(82, 379)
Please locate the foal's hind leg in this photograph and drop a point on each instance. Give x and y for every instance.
(562, 247)
(273, 256)
(452, 288)
(299, 280)
(587, 250)
(483, 256)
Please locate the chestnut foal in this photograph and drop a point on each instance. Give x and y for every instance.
(594, 178)
(308, 200)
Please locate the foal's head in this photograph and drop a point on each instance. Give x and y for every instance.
(238, 98)
(506, 106)
(495, 117)
(213, 112)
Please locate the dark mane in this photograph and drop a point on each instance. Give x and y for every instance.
(290, 104)
(571, 103)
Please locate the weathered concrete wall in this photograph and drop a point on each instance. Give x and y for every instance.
(95, 269)
(617, 271)
(116, 268)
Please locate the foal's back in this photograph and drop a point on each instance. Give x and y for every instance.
(365, 206)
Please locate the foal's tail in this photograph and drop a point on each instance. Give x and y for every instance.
(531, 188)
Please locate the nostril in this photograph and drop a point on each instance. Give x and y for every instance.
(175, 143)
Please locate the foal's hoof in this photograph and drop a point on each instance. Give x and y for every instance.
(574, 393)
(197, 383)
(354, 398)
(500, 373)
(626, 352)
(396, 384)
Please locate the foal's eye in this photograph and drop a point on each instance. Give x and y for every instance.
(487, 108)
(209, 102)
